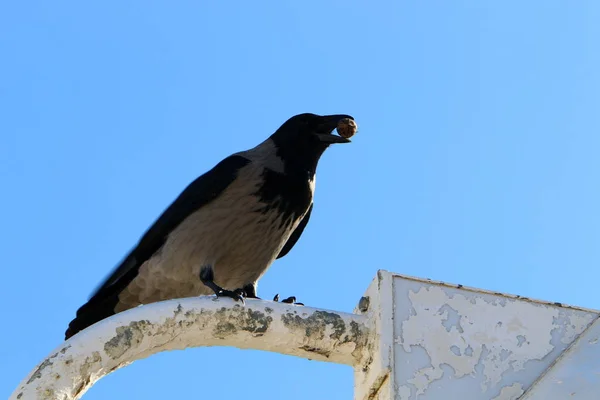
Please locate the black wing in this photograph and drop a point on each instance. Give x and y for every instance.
(296, 234)
(200, 192)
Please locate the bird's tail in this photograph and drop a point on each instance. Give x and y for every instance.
(91, 312)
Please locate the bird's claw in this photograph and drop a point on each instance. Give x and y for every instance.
(289, 300)
(207, 277)
(237, 294)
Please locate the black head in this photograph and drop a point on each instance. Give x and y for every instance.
(303, 138)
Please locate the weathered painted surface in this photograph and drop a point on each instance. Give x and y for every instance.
(576, 374)
(440, 341)
(409, 339)
(306, 332)
(372, 377)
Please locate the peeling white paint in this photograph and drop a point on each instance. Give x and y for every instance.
(576, 374)
(574, 322)
(453, 342)
(512, 392)
(403, 393)
(137, 333)
(441, 322)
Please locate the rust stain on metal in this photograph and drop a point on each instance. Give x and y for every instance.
(38, 372)
(85, 369)
(46, 363)
(127, 337)
(316, 350)
(230, 321)
(316, 327)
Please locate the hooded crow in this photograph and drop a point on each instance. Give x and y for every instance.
(226, 228)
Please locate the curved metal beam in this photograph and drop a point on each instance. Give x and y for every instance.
(69, 371)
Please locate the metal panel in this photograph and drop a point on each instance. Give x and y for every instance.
(444, 341)
(576, 374)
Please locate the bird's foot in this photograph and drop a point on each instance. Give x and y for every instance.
(289, 300)
(237, 294)
(207, 277)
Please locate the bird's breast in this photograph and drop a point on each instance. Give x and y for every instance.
(240, 234)
(241, 230)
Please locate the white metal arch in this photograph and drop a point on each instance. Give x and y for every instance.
(72, 368)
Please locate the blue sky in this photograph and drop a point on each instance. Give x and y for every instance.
(476, 161)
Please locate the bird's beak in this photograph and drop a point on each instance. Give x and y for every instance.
(327, 125)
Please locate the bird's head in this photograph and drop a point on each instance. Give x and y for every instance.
(303, 138)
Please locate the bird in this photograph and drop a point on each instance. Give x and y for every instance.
(226, 228)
